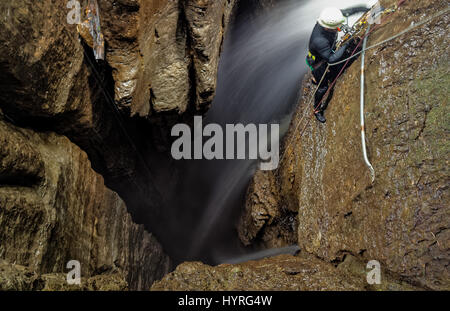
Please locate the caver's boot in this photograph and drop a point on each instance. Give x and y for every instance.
(320, 117)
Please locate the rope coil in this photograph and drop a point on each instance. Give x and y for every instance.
(363, 134)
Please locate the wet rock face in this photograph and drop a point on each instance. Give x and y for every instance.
(54, 208)
(401, 219)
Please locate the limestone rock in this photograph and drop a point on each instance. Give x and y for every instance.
(19, 278)
(207, 24)
(265, 219)
(54, 208)
(165, 54)
(285, 272)
(102, 282)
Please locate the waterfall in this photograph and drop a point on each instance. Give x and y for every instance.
(261, 68)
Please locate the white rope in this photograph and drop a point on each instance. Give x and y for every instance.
(363, 134)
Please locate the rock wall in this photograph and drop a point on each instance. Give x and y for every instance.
(303, 272)
(267, 220)
(54, 208)
(15, 277)
(402, 219)
(161, 61)
(165, 54)
(63, 113)
(65, 118)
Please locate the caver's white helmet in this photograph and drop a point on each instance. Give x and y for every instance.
(331, 18)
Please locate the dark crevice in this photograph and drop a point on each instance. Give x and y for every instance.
(19, 180)
(190, 52)
(424, 124)
(347, 215)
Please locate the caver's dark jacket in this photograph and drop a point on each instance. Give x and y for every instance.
(322, 45)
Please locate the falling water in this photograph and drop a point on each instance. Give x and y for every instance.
(260, 72)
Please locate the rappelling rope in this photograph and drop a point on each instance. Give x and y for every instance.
(410, 28)
(118, 116)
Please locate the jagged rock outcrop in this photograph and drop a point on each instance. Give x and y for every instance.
(402, 219)
(54, 208)
(266, 220)
(165, 54)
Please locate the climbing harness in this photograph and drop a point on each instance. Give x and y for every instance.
(363, 134)
(313, 64)
(353, 55)
(310, 60)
